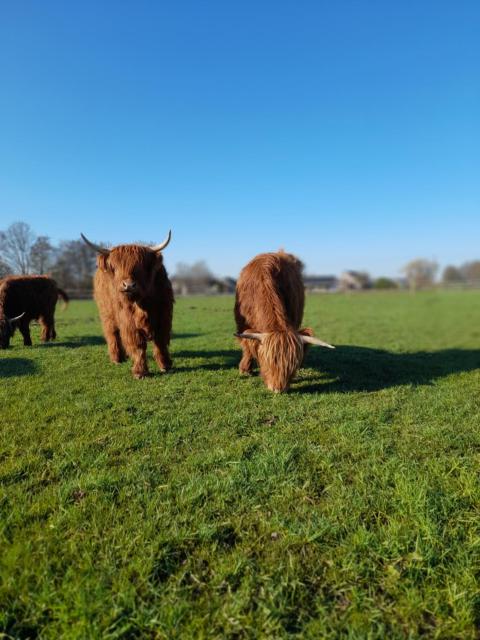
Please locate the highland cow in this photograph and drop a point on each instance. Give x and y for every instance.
(27, 298)
(135, 301)
(269, 306)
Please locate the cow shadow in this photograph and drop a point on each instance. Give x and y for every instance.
(223, 359)
(16, 367)
(76, 342)
(352, 368)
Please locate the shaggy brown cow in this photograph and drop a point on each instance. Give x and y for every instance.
(27, 298)
(135, 300)
(268, 311)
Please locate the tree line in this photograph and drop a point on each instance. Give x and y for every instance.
(72, 264)
(421, 274)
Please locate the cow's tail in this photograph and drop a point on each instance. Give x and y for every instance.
(63, 296)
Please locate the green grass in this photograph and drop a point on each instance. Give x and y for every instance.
(199, 505)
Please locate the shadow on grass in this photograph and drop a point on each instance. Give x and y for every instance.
(350, 368)
(229, 359)
(76, 342)
(15, 367)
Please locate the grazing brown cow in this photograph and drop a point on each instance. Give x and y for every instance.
(268, 311)
(135, 300)
(27, 298)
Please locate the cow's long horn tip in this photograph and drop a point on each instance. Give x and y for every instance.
(164, 244)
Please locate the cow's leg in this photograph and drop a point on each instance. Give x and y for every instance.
(114, 344)
(161, 353)
(136, 347)
(118, 350)
(115, 347)
(44, 333)
(248, 356)
(139, 357)
(24, 326)
(48, 328)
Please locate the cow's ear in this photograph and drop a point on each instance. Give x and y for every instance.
(102, 262)
(158, 263)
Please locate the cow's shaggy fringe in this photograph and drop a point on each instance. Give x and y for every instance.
(281, 355)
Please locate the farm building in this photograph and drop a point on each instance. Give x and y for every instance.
(320, 283)
(354, 281)
(188, 286)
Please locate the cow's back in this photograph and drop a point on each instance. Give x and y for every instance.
(270, 293)
(32, 295)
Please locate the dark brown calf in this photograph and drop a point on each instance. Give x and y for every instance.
(135, 301)
(268, 311)
(27, 298)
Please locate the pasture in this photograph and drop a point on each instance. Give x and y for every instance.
(198, 504)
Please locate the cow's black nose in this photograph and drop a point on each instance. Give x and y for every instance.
(129, 285)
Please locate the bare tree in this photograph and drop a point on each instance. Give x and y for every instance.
(452, 275)
(420, 273)
(195, 277)
(74, 265)
(198, 272)
(41, 254)
(471, 271)
(15, 246)
(4, 269)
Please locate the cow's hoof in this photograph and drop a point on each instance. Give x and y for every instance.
(277, 390)
(139, 375)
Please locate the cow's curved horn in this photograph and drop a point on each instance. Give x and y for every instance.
(250, 336)
(315, 341)
(159, 247)
(12, 320)
(95, 247)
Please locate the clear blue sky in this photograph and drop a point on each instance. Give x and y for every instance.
(346, 132)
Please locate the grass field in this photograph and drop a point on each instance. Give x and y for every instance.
(199, 505)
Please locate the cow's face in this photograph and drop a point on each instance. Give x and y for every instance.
(279, 355)
(133, 269)
(7, 329)
(5, 333)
